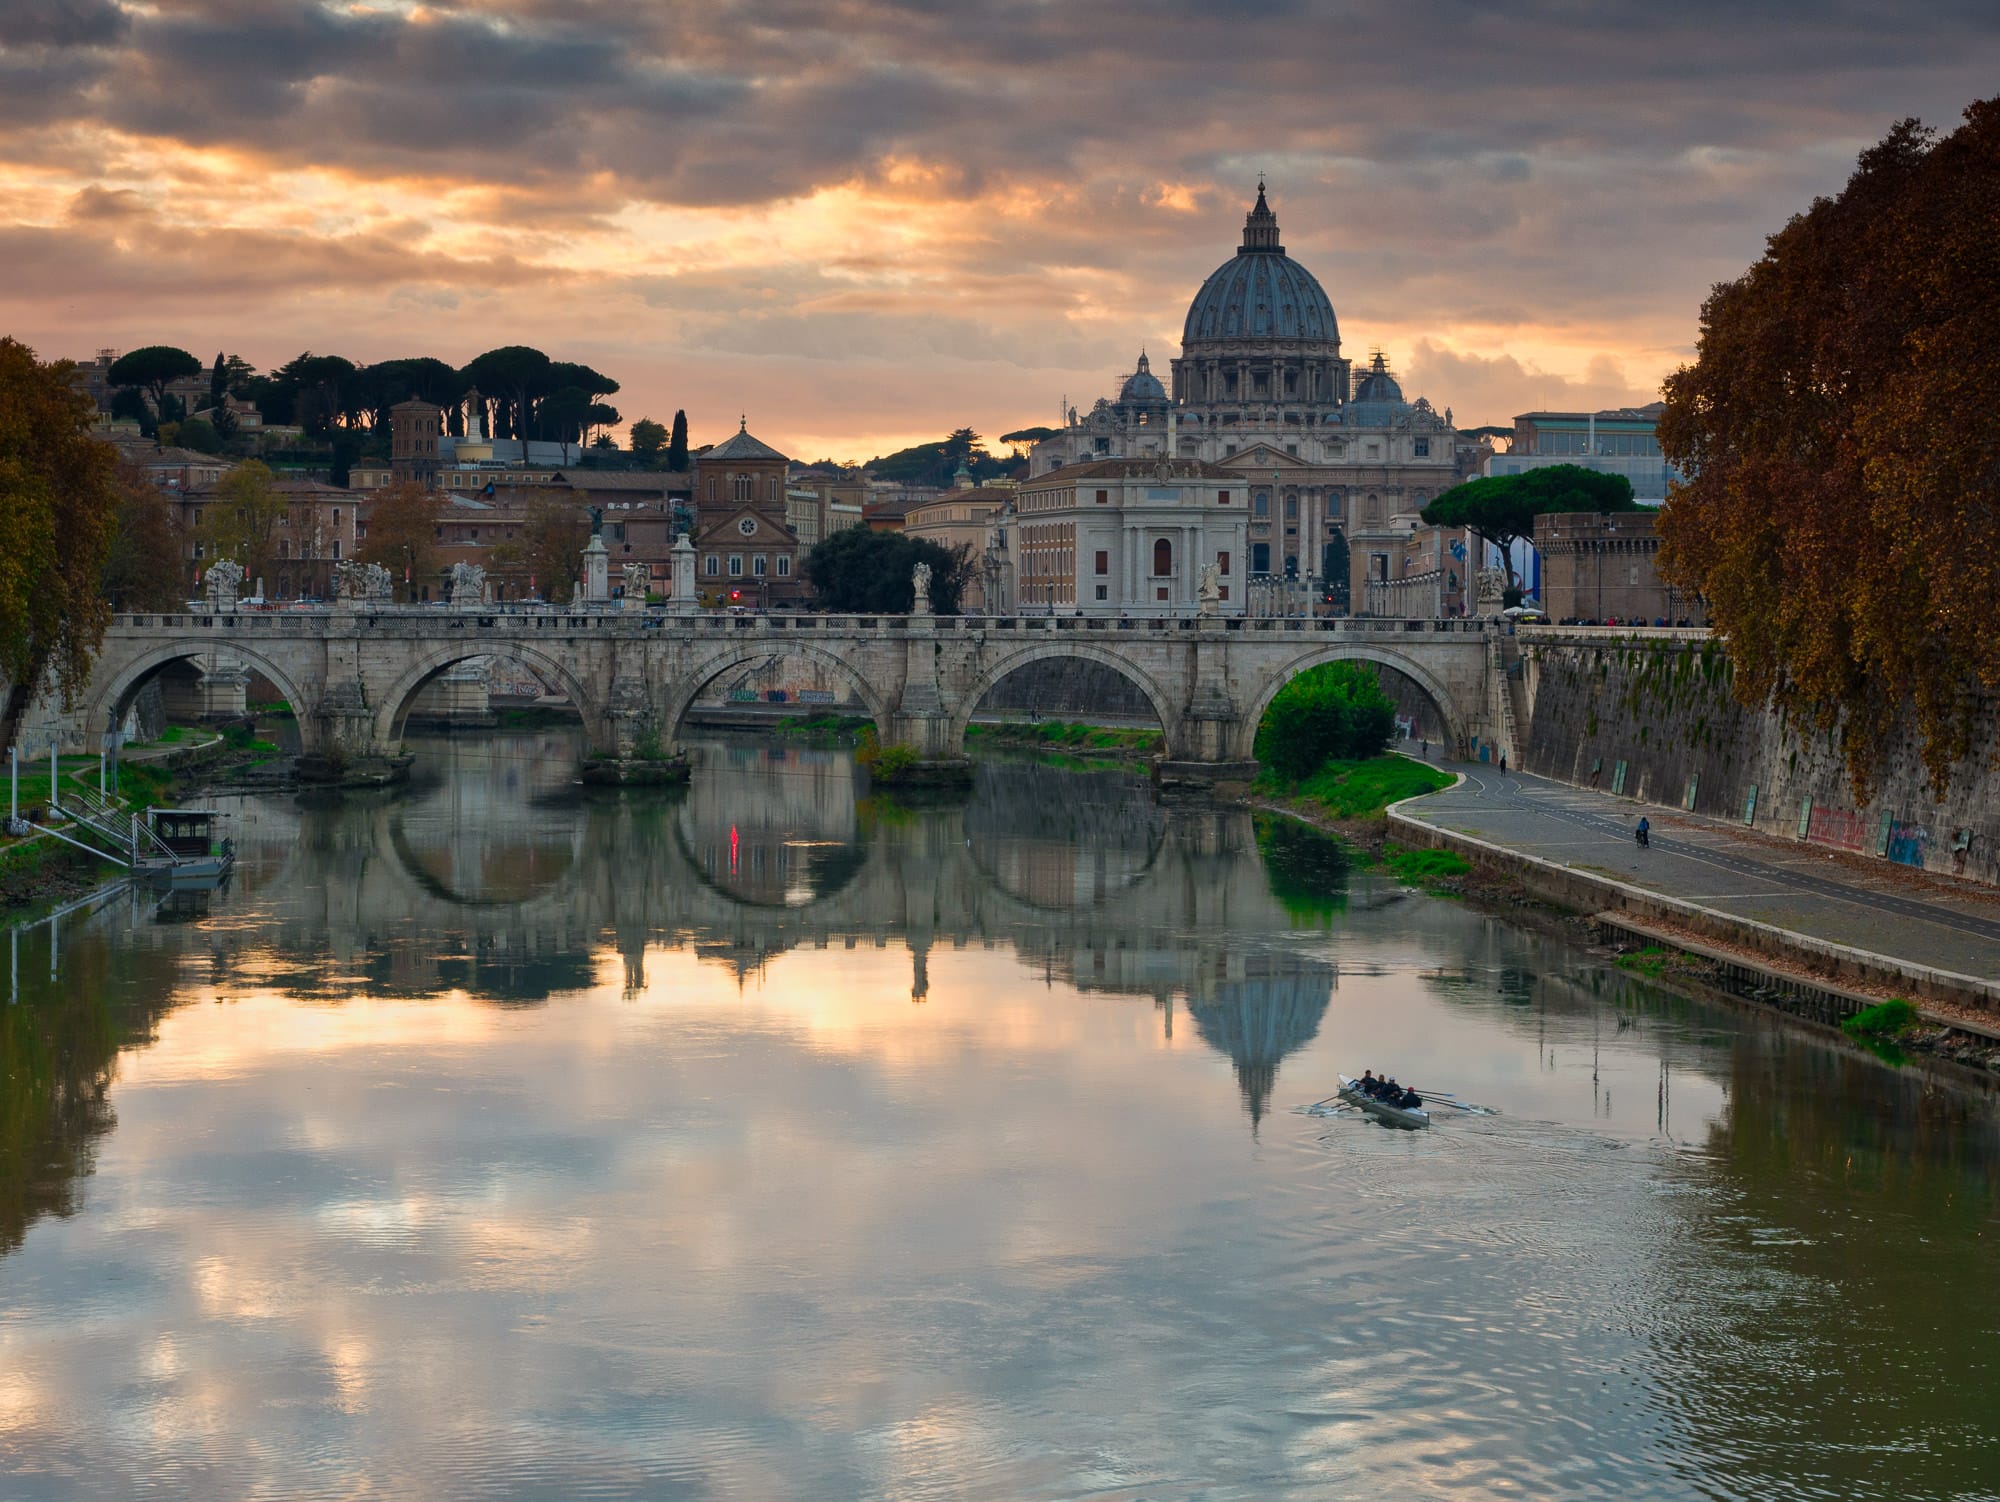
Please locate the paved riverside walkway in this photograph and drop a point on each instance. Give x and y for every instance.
(1799, 888)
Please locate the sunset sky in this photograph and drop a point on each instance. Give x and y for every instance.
(865, 222)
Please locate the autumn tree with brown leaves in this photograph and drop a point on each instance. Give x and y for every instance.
(403, 536)
(58, 505)
(1841, 430)
(145, 567)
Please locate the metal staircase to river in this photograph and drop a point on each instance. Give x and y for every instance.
(126, 838)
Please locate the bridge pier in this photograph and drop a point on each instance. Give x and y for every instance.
(346, 750)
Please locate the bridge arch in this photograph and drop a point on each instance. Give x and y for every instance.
(1274, 680)
(110, 701)
(394, 708)
(1165, 707)
(681, 695)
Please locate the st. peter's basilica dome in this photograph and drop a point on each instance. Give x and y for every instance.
(1261, 293)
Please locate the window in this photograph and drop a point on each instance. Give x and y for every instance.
(1423, 448)
(711, 487)
(1222, 591)
(1103, 562)
(1103, 497)
(1222, 564)
(1222, 498)
(1163, 559)
(336, 547)
(774, 489)
(757, 565)
(735, 565)
(784, 565)
(284, 547)
(1103, 592)
(739, 487)
(336, 518)
(711, 565)
(1160, 593)
(1260, 504)
(1291, 508)
(1260, 558)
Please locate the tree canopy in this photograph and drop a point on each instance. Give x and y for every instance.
(1840, 428)
(152, 369)
(143, 563)
(935, 464)
(1022, 437)
(1335, 711)
(58, 508)
(1502, 508)
(868, 573)
(247, 511)
(402, 536)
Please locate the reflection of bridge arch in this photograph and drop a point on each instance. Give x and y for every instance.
(1433, 689)
(412, 864)
(395, 706)
(1108, 844)
(109, 703)
(856, 859)
(681, 696)
(1057, 650)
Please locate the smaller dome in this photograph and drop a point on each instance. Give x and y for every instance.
(1378, 385)
(1142, 385)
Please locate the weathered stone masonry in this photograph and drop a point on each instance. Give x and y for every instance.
(1650, 714)
(351, 672)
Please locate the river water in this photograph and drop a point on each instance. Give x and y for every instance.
(494, 1140)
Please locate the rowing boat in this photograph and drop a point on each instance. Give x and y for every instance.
(1414, 1118)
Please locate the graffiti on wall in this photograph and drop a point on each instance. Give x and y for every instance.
(1908, 843)
(1835, 826)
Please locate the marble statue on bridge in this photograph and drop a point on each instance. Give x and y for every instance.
(920, 583)
(362, 581)
(222, 583)
(468, 585)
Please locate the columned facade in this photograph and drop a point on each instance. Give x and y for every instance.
(1330, 455)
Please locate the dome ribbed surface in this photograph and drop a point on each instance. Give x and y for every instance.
(1258, 295)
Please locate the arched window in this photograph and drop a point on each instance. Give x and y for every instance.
(741, 486)
(1163, 558)
(1262, 505)
(1291, 508)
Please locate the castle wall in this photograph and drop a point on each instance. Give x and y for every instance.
(1653, 718)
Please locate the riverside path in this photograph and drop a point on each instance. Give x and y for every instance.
(1885, 921)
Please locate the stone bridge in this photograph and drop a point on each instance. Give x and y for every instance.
(351, 671)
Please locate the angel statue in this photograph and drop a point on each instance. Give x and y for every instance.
(920, 584)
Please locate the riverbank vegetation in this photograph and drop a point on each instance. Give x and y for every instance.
(1324, 747)
(1068, 736)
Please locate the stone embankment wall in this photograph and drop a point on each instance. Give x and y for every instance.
(1652, 717)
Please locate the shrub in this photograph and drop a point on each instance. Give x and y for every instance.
(1337, 711)
(1882, 1023)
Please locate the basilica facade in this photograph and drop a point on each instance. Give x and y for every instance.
(1335, 463)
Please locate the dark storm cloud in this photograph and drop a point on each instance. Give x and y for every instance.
(60, 23)
(740, 100)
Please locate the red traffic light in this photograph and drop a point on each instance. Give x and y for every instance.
(735, 595)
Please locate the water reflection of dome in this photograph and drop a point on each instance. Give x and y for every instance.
(1045, 848)
(1260, 1020)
